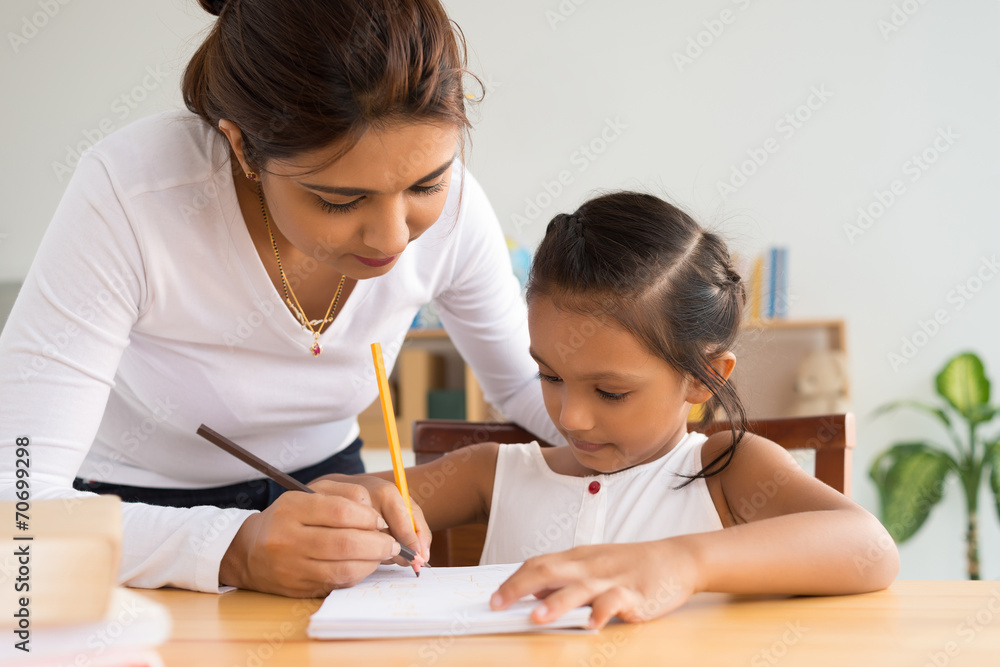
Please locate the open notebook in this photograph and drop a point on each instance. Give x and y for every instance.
(453, 601)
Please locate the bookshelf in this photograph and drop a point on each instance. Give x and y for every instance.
(768, 357)
(427, 361)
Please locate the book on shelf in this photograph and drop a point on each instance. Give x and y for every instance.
(453, 601)
(765, 278)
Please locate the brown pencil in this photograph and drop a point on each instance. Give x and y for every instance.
(259, 464)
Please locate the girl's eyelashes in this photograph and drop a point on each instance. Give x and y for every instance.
(548, 378)
(611, 396)
(330, 207)
(606, 395)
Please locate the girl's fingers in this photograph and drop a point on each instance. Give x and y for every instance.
(613, 602)
(561, 601)
(538, 576)
(401, 524)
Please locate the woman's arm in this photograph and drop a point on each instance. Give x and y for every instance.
(485, 316)
(792, 535)
(59, 356)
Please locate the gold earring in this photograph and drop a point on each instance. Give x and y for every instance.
(252, 176)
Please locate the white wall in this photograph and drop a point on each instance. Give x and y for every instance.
(559, 80)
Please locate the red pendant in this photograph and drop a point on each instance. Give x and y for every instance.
(316, 349)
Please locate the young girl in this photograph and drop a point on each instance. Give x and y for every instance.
(633, 310)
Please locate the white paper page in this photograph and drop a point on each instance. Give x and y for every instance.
(393, 602)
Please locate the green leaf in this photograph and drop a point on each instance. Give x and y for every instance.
(930, 409)
(992, 458)
(963, 383)
(910, 478)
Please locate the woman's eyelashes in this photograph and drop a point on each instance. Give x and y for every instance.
(330, 207)
(606, 395)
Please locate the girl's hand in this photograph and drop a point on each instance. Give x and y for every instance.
(636, 582)
(387, 501)
(307, 544)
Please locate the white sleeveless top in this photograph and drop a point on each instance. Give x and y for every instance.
(537, 511)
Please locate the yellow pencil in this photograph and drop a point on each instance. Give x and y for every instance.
(390, 430)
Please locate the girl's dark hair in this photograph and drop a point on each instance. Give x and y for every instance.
(299, 75)
(648, 267)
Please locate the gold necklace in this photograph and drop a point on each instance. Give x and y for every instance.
(314, 326)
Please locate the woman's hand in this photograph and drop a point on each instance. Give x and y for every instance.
(636, 582)
(307, 544)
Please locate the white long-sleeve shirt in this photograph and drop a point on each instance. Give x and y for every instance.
(147, 312)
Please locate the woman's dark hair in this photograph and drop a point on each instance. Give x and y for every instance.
(647, 266)
(299, 75)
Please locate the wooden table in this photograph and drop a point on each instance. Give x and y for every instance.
(913, 623)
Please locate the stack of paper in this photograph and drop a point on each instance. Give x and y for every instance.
(452, 601)
(58, 601)
(126, 636)
(60, 557)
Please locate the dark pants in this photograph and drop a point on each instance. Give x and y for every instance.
(256, 494)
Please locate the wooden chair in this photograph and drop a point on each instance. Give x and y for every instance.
(831, 436)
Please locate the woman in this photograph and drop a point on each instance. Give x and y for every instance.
(231, 267)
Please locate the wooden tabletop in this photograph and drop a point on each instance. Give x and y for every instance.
(913, 623)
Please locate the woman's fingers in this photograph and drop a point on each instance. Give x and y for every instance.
(332, 511)
(348, 490)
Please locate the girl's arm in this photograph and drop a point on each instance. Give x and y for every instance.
(453, 490)
(787, 533)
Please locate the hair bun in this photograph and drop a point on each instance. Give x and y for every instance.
(213, 7)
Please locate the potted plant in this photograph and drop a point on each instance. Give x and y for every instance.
(910, 475)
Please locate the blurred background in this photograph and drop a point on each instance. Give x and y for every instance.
(859, 136)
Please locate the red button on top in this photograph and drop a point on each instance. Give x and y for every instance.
(594, 487)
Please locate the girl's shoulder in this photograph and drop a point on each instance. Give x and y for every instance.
(751, 449)
(761, 480)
